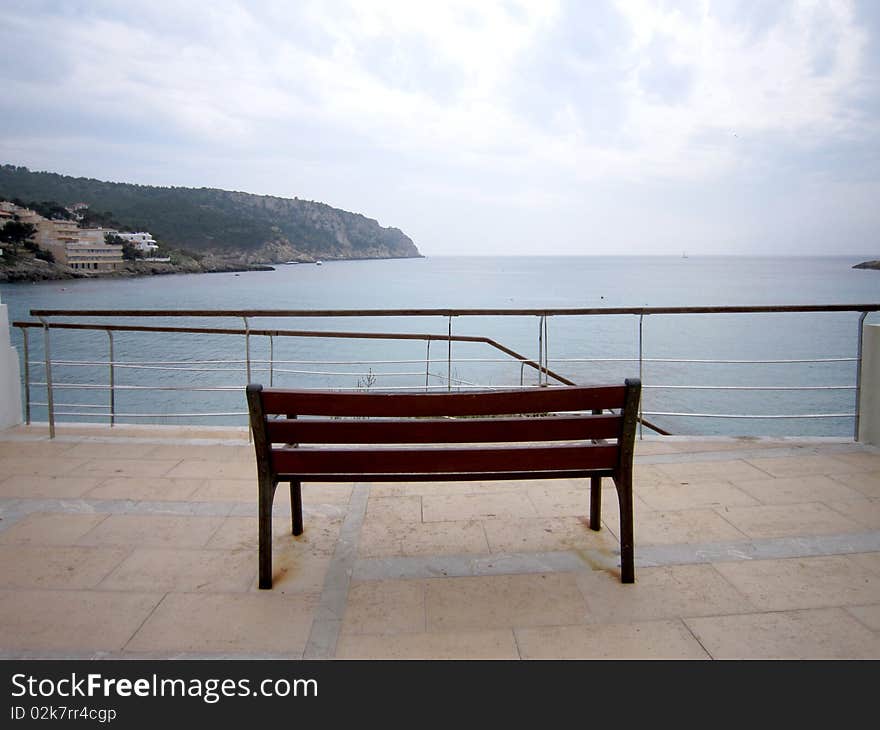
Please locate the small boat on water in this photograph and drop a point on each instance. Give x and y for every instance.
(319, 263)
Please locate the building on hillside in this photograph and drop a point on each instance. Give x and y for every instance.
(79, 248)
(142, 241)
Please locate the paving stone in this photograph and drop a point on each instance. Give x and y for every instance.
(791, 490)
(385, 607)
(54, 621)
(666, 592)
(500, 601)
(221, 623)
(153, 530)
(828, 633)
(182, 571)
(639, 640)
(497, 644)
(37, 566)
(447, 508)
(798, 583)
(700, 494)
(52, 528)
(788, 520)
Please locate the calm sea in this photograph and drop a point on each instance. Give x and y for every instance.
(593, 349)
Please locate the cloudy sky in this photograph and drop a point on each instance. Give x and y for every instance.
(477, 127)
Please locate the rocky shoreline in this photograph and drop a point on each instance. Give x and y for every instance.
(868, 265)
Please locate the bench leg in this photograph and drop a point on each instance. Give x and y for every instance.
(625, 498)
(266, 496)
(595, 503)
(296, 507)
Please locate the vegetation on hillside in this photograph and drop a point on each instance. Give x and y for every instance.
(218, 221)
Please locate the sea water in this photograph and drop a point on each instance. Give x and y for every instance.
(582, 349)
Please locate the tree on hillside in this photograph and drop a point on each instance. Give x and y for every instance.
(16, 233)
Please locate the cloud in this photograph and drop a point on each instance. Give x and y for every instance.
(411, 112)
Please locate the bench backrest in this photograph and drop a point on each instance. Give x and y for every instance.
(531, 432)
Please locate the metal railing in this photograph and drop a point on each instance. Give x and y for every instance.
(427, 379)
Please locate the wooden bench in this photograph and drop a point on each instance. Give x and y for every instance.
(558, 432)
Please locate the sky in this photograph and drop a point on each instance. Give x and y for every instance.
(490, 127)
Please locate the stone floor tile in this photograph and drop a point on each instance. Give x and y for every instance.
(683, 526)
(114, 450)
(36, 566)
(501, 601)
(385, 607)
(69, 620)
(868, 615)
(866, 483)
(203, 469)
(497, 644)
(123, 467)
(668, 639)
(445, 489)
(865, 512)
(696, 495)
(43, 466)
(797, 583)
(548, 534)
(204, 453)
(806, 488)
(229, 490)
(218, 623)
(660, 593)
(41, 449)
(868, 561)
(150, 489)
(562, 501)
(379, 540)
(863, 460)
(828, 633)
(691, 471)
(320, 493)
(240, 533)
(803, 465)
(183, 571)
(394, 509)
(47, 487)
(51, 528)
(788, 520)
(448, 508)
(294, 571)
(153, 530)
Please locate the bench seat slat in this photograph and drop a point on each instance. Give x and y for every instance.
(300, 461)
(452, 476)
(496, 403)
(475, 430)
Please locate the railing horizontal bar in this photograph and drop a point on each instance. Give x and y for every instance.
(740, 415)
(105, 406)
(98, 386)
(564, 311)
(752, 387)
(721, 362)
(153, 415)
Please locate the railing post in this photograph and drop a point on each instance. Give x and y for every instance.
(10, 375)
(859, 376)
(27, 377)
(271, 360)
(641, 369)
(50, 402)
(427, 363)
(247, 348)
(449, 357)
(112, 382)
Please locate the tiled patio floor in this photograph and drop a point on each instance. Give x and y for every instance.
(141, 542)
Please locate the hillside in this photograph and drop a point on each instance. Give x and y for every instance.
(230, 224)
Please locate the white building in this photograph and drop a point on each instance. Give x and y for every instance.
(142, 241)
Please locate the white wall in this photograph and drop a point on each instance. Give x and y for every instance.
(869, 403)
(10, 379)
